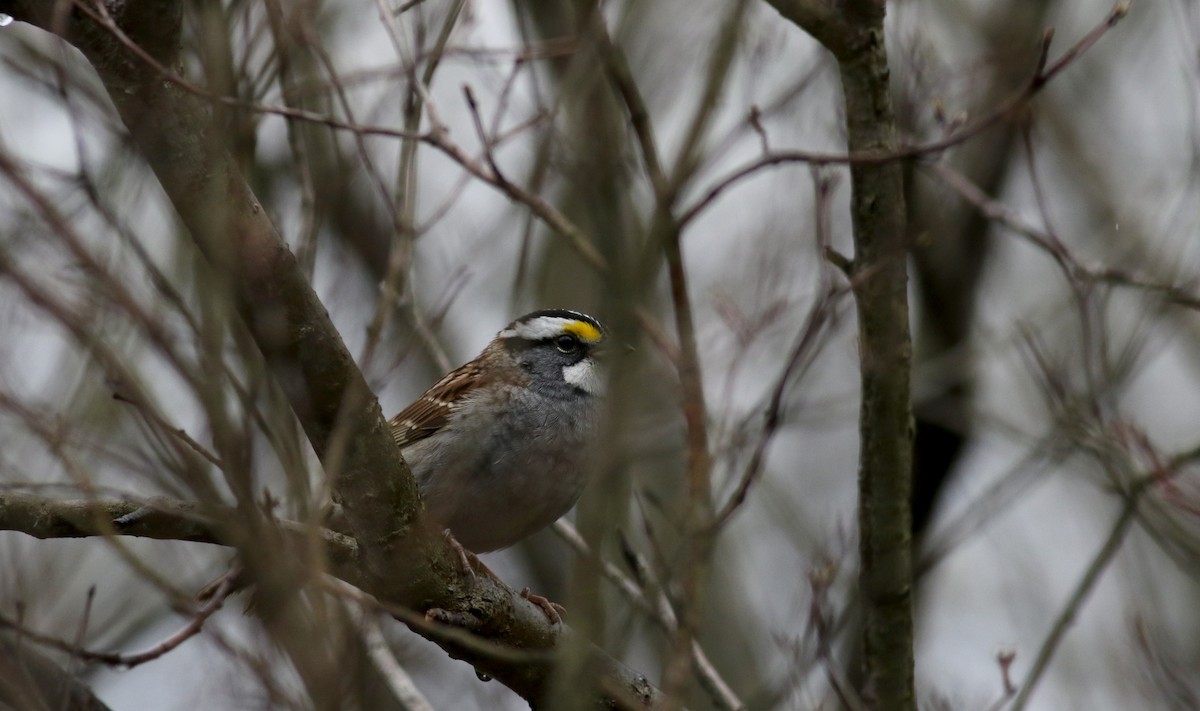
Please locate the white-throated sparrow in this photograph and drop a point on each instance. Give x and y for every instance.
(499, 446)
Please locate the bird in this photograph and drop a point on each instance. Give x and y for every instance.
(499, 447)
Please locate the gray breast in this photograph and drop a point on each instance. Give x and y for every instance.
(506, 465)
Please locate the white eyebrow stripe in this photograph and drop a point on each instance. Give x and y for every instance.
(539, 328)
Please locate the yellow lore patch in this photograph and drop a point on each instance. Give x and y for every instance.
(583, 330)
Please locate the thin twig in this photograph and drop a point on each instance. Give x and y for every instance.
(157, 420)
(394, 674)
(1002, 111)
(1080, 594)
(437, 137)
(620, 75)
(129, 661)
(661, 612)
(813, 328)
(1072, 267)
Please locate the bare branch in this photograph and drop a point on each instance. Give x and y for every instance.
(659, 609)
(1066, 618)
(1004, 110)
(129, 661)
(854, 33)
(1073, 268)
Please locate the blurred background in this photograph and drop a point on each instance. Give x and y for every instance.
(1054, 288)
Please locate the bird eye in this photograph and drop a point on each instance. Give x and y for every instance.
(566, 344)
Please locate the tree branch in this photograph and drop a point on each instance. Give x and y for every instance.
(526, 672)
(853, 32)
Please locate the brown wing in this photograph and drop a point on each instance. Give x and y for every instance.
(432, 410)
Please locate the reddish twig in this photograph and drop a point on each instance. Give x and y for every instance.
(129, 661)
(1073, 269)
(1005, 109)
(813, 328)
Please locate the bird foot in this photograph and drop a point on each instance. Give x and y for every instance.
(468, 562)
(462, 620)
(552, 610)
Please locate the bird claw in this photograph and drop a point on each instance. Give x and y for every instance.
(467, 560)
(552, 610)
(461, 620)
(470, 563)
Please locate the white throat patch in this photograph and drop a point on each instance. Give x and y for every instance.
(584, 375)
